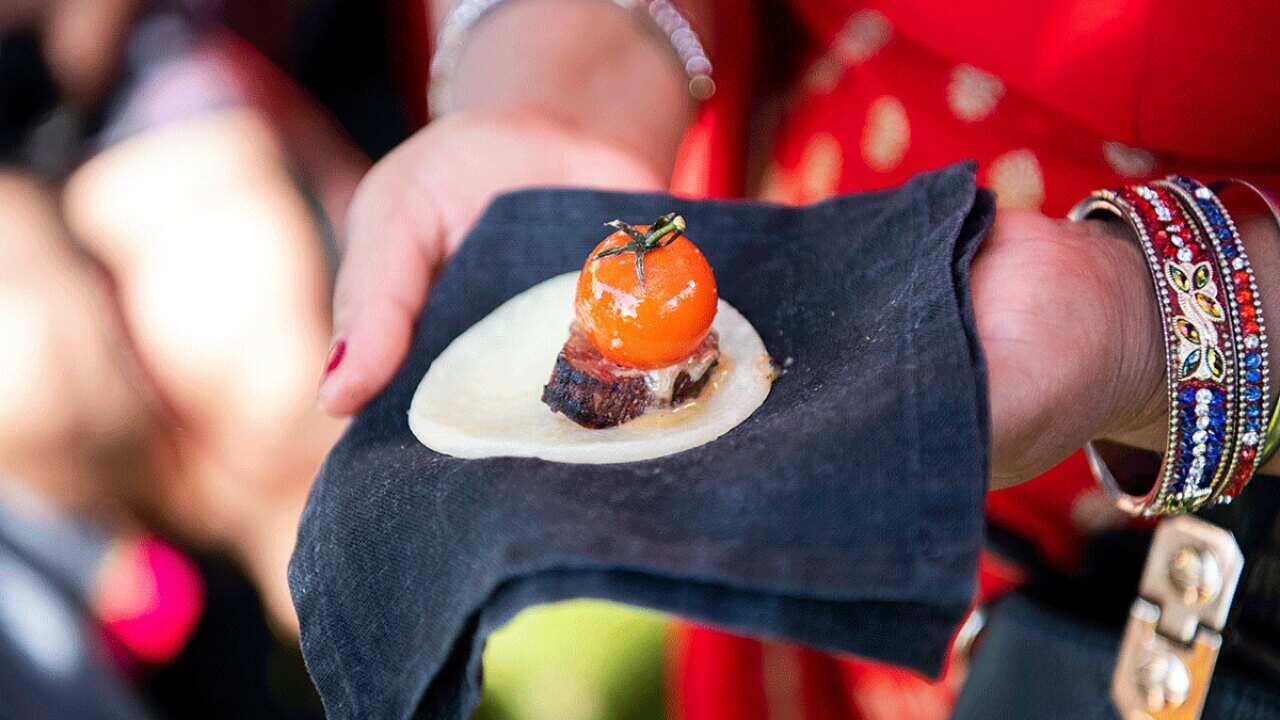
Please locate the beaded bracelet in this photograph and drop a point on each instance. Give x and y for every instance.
(1247, 324)
(1271, 438)
(1198, 350)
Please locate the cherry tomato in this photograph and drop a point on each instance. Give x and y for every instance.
(649, 324)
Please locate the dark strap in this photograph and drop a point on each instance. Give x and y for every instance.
(1252, 638)
(1107, 581)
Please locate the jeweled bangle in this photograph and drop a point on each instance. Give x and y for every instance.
(1198, 346)
(661, 16)
(1254, 387)
(1271, 437)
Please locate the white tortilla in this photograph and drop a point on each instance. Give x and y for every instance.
(482, 395)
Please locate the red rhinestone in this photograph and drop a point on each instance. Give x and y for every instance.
(1250, 327)
(1162, 235)
(1169, 251)
(1244, 296)
(1195, 251)
(1248, 312)
(1240, 278)
(1248, 453)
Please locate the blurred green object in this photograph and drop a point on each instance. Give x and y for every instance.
(577, 660)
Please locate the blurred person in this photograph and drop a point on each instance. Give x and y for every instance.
(190, 204)
(1053, 99)
(74, 456)
(167, 304)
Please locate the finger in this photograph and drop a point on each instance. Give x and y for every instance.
(393, 248)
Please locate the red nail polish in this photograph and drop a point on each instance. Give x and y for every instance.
(336, 353)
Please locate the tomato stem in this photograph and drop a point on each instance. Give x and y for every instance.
(662, 233)
(674, 224)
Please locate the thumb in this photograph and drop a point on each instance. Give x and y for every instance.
(394, 244)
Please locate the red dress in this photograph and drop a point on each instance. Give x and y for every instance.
(1054, 99)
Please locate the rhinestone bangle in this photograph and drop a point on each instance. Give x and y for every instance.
(1271, 439)
(1198, 350)
(1249, 331)
(660, 16)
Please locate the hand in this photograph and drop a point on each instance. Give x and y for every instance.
(413, 209)
(219, 273)
(1068, 320)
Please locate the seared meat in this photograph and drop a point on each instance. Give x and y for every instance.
(596, 392)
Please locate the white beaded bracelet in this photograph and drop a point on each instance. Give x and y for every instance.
(661, 16)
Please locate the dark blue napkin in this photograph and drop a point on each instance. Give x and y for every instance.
(846, 513)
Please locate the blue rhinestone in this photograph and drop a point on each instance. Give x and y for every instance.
(1229, 251)
(1252, 411)
(1187, 395)
(1253, 376)
(1254, 425)
(1224, 233)
(1253, 392)
(1253, 360)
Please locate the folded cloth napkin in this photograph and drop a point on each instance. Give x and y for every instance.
(846, 513)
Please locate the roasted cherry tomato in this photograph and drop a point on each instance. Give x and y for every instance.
(646, 296)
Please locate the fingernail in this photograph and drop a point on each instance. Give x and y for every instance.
(336, 354)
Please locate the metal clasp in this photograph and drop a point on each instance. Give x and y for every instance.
(1174, 633)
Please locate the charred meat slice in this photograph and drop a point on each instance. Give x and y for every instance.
(592, 402)
(595, 392)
